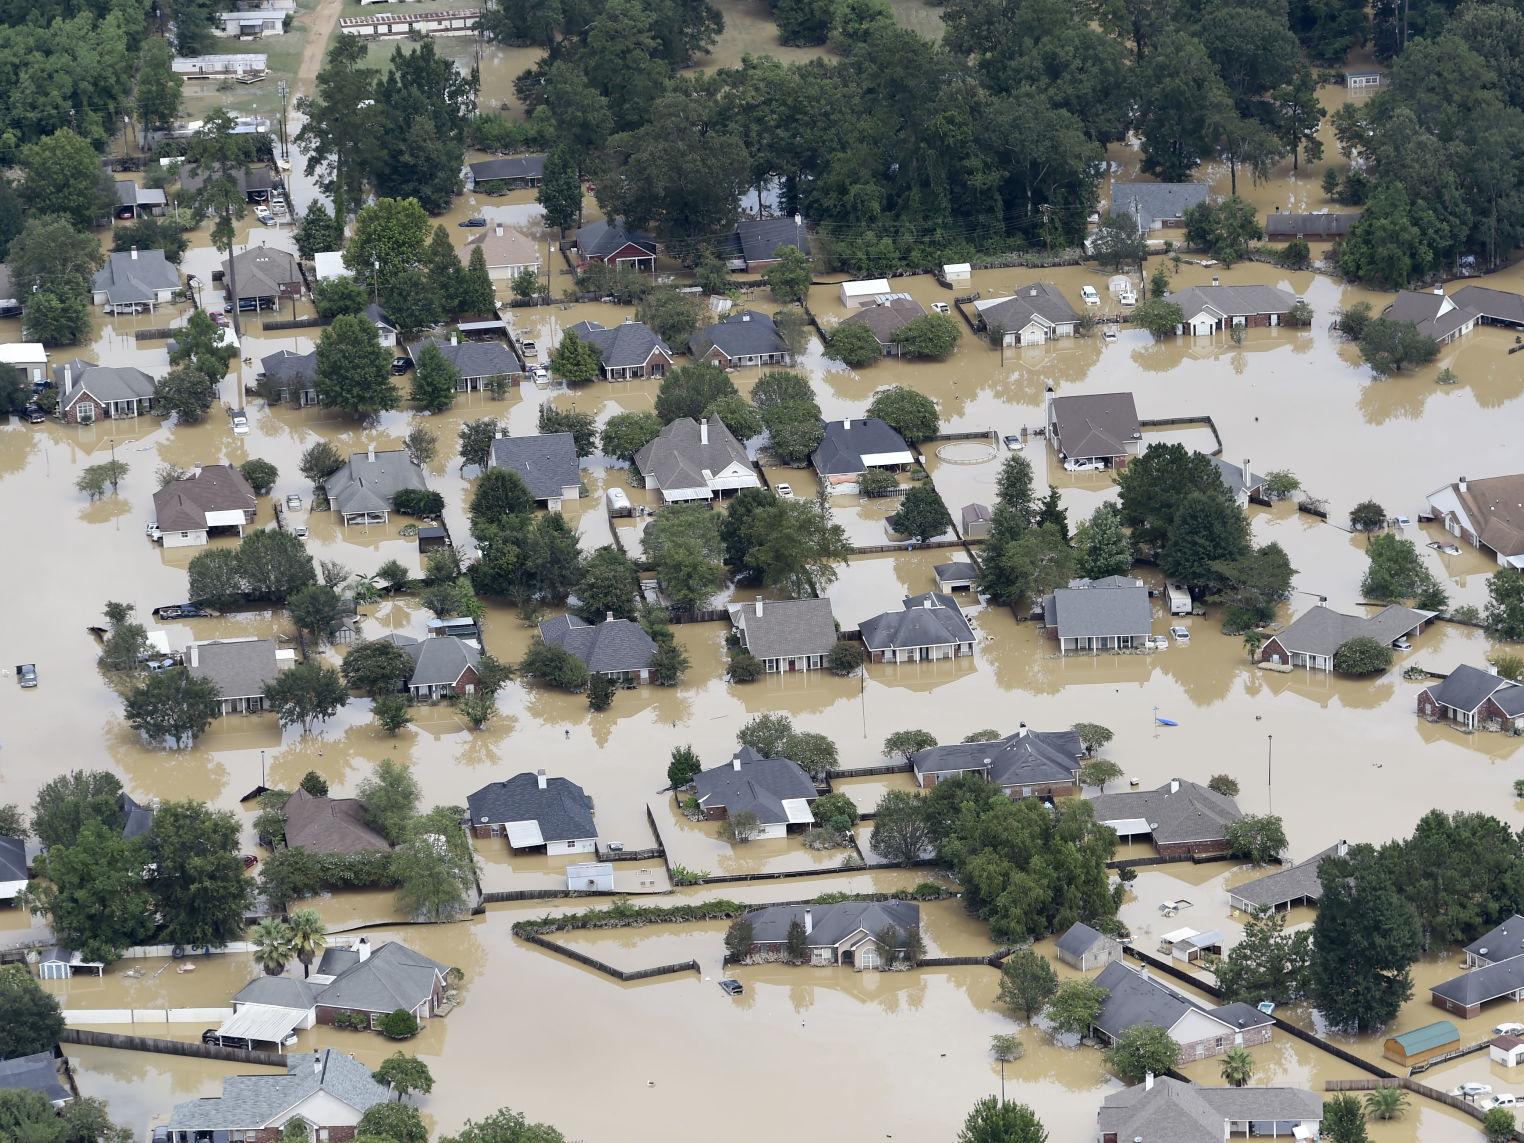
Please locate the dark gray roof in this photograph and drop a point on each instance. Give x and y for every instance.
(1176, 1112)
(628, 344)
(255, 177)
(1096, 424)
(958, 569)
(1079, 939)
(846, 442)
(329, 825)
(1322, 631)
(1026, 758)
(392, 977)
(1113, 606)
(1285, 224)
(474, 359)
(832, 924)
(1496, 305)
(105, 382)
(1233, 476)
(441, 660)
(563, 810)
(601, 238)
(1297, 882)
(775, 628)
(976, 513)
(1191, 813)
(1502, 942)
(750, 782)
(1037, 299)
(287, 368)
(238, 668)
(762, 239)
(251, 1101)
(1133, 999)
(1148, 202)
(135, 276)
(682, 457)
(605, 648)
(129, 193)
(510, 167)
(888, 317)
(12, 859)
(929, 620)
(547, 463)
(280, 992)
(264, 272)
(37, 1072)
(136, 820)
(368, 481)
(1480, 985)
(744, 334)
(1423, 308)
(1233, 301)
(1467, 687)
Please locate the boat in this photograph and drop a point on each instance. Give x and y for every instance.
(1165, 721)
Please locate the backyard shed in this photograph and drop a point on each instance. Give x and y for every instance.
(862, 293)
(591, 876)
(1422, 1044)
(957, 273)
(1506, 1050)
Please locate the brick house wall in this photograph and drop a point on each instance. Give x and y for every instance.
(1428, 707)
(1051, 790)
(1491, 710)
(91, 406)
(1271, 647)
(470, 678)
(1209, 1046)
(1191, 848)
(1453, 1007)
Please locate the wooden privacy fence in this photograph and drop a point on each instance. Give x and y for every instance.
(146, 1015)
(607, 969)
(870, 771)
(170, 1047)
(292, 323)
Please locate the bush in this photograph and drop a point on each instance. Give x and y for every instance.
(260, 474)
(1362, 656)
(877, 482)
(1366, 516)
(836, 811)
(845, 657)
(853, 344)
(744, 667)
(398, 1025)
(932, 336)
(420, 502)
(1224, 784)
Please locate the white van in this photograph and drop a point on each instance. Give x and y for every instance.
(1179, 599)
(1091, 298)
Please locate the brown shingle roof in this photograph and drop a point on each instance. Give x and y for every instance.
(329, 825)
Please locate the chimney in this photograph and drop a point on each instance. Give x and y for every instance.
(68, 379)
(539, 778)
(608, 617)
(809, 922)
(370, 452)
(746, 316)
(1148, 1082)
(1247, 477)
(362, 946)
(317, 1063)
(735, 763)
(846, 424)
(1342, 849)
(1440, 291)
(928, 603)
(704, 431)
(498, 435)
(134, 253)
(1216, 281)
(1021, 731)
(759, 609)
(1174, 785)
(455, 337)
(1461, 484)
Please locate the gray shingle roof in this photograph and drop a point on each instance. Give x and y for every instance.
(136, 276)
(367, 482)
(37, 1072)
(1026, 758)
(238, 668)
(105, 382)
(762, 239)
(264, 272)
(1113, 606)
(329, 825)
(1233, 476)
(129, 193)
(1502, 942)
(1322, 631)
(832, 924)
(1036, 299)
(1176, 1112)
(752, 783)
(929, 620)
(252, 1101)
(1467, 687)
(1493, 508)
(1191, 813)
(182, 505)
(12, 859)
(280, 992)
(1300, 881)
(562, 808)
(547, 463)
(474, 359)
(605, 648)
(1284, 224)
(1079, 939)
(601, 238)
(509, 167)
(392, 977)
(1495, 305)
(624, 346)
(777, 628)
(1150, 202)
(1480, 985)
(1233, 301)
(846, 442)
(1423, 308)
(1096, 424)
(681, 457)
(958, 569)
(887, 318)
(744, 334)
(136, 820)
(287, 368)
(441, 660)
(1133, 999)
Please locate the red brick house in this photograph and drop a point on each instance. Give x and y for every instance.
(610, 242)
(443, 666)
(1472, 698)
(1180, 818)
(91, 393)
(1027, 764)
(1208, 309)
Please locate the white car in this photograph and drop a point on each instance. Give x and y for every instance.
(1180, 634)
(941, 308)
(529, 348)
(785, 491)
(1089, 296)
(1502, 1099)
(1128, 298)
(263, 214)
(1474, 1089)
(1509, 1028)
(1157, 643)
(241, 423)
(1083, 466)
(1109, 333)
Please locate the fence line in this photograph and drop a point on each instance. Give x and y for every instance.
(907, 546)
(1464, 1106)
(145, 1015)
(292, 323)
(870, 771)
(1166, 422)
(170, 1047)
(497, 898)
(602, 966)
(631, 854)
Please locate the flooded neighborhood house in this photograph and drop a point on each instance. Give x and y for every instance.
(775, 791)
(1312, 639)
(1495, 971)
(1179, 817)
(1487, 514)
(1165, 1110)
(1134, 998)
(213, 497)
(239, 669)
(535, 813)
(926, 628)
(863, 934)
(1027, 764)
(786, 634)
(696, 460)
(1097, 427)
(1111, 614)
(1474, 699)
(547, 464)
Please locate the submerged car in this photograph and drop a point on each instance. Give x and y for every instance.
(731, 986)
(26, 674)
(474, 220)
(240, 421)
(1180, 634)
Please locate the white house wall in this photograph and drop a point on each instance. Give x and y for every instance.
(185, 539)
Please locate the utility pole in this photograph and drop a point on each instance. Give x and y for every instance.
(1270, 768)
(283, 92)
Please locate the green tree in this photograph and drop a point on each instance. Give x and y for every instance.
(671, 314)
(315, 610)
(474, 291)
(1052, 511)
(33, 1019)
(583, 427)
(684, 547)
(788, 279)
(795, 545)
(625, 434)
(689, 390)
(260, 474)
(1142, 1049)
(389, 239)
(796, 430)
(907, 743)
(1344, 1120)
(922, 514)
(1395, 573)
(911, 414)
(390, 796)
(158, 89)
(1364, 941)
(1388, 346)
(1224, 784)
(500, 493)
(434, 867)
(900, 830)
(272, 946)
(932, 337)
(1237, 1067)
(737, 415)
(1075, 1006)
(93, 894)
(1387, 1103)
(1252, 586)
(62, 175)
(1268, 963)
(391, 713)
(196, 876)
(1258, 837)
(560, 192)
(172, 704)
(1097, 772)
(1224, 228)
(404, 1074)
(1503, 615)
(1158, 316)
(505, 1127)
(335, 296)
(1093, 736)
(576, 361)
(845, 657)
(1102, 547)
(1207, 529)
(526, 283)
(320, 461)
(275, 565)
(1367, 516)
(1117, 244)
(476, 439)
(93, 480)
(1362, 656)
(65, 805)
(318, 233)
(186, 392)
(853, 344)
(553, 666)
(354, 370)
(684, 767)
(376, 667)
(304, 694)
(434, 381)
(1035, 563)
(610, 585)
(394, 1122)
(994, 1121)
(1027, 982)
(1498, 1125)
(767, 734)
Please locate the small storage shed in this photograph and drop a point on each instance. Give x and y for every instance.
(855, 295)
(958, 274)
(1085, 948)
(1422, 1044)
(59, 963)
(1506, 1050)
(591, 876)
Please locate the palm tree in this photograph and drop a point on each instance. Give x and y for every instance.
(272, 946)
(1386, 1102)
(1237, 1067)
(309, 936)
(1253, 641)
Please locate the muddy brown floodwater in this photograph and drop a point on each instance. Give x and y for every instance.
(900, 1055)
